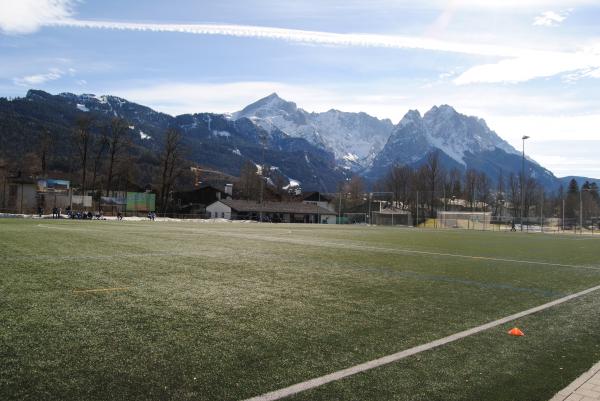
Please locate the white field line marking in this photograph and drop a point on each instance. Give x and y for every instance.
(401, 250)
(101, 290)
(340, 374)
(299, 241)
(384, 270)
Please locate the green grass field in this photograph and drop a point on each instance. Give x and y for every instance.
(191, 311)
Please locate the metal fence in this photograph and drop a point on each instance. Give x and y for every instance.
(487, 222)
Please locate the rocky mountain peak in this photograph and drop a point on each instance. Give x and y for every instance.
(267, 107)
(353, 138)
(412, 117)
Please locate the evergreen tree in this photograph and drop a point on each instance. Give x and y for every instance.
(572, 201)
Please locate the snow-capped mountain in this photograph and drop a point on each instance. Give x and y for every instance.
(462, 141)
(456, 134)
(214, 141)
(135, 114)
(441, 128)
(354, 138)
(317, 149)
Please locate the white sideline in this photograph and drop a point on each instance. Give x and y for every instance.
(340, 374)
(300, 241)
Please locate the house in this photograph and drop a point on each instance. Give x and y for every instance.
(22, 194)
(19, 195)
(195, 201)
(319, 199)
(277, 212)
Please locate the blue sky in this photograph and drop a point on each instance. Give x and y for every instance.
(527, 67)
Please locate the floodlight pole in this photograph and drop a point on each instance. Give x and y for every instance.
(318, 210)
(340, 210)
(445, 198)
(581, 209)
(523, 181)
(563, 214)
(369, 199)
(542, 213)
(263, 140)
(417, 208)
(580, 212)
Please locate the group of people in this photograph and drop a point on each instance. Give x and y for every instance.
(85, 215)
(151, 216)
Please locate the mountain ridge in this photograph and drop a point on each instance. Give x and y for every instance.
(316, 149)
(354, 138)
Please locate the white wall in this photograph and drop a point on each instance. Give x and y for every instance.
(328, 219)
(218, 210)
(323, 204)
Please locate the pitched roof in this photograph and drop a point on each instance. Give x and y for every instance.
(274, 207)
(315, 196)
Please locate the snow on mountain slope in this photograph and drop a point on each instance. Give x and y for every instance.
(463, 142)
(354, 138)
(359, 143)
(455, 134)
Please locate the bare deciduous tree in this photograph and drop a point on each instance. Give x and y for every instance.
(117, 140)
(483, 189)
(170, 165)
(83, 137)
(433, 172)
(398, 181)
(100, 146)
(44, 149)
(355, 188)
(250, 181)
(470, 187)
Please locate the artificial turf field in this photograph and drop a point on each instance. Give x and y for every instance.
(193, 311)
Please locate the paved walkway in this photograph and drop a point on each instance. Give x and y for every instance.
(585, 388)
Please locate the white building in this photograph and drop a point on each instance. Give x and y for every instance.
(277, 212)
(319, 199)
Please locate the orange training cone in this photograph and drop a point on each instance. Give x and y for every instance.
(516, 332)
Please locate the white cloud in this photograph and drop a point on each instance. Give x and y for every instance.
(551, 18)
(543, 128)
(516, 64)
(565, 165)
(39, 79)
(537, 64)
(437, 4)
(512, 4)
(302, 36)
(27, 16)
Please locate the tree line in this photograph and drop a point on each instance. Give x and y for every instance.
(102, 159)
(430, 188)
